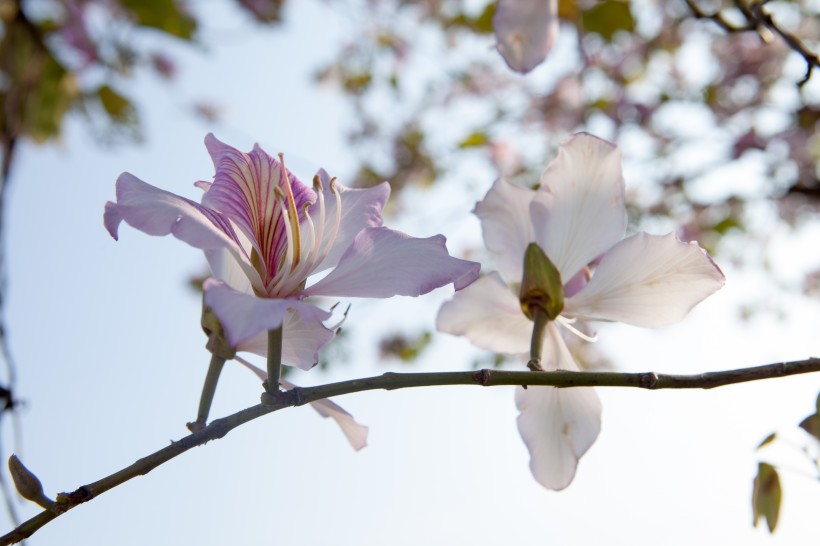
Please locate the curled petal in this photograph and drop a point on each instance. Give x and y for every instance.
(158, 212)
(360, 208)
(381, 263)
(355, 433)
(558, 426)
(647, 280)
(525, 31)
(301, 341)
(506, 226)
(244, 316)
(581, 212)
(489, 315)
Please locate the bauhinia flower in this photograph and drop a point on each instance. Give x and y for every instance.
(578, 218)
(525, 31)
(265, 233)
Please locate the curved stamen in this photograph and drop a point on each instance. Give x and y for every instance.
(293, 213)
(285, 265)
(567, 323)
(302, 270)
(328, 243)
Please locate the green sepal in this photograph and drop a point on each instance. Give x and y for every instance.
(217, 341)
(541, 287)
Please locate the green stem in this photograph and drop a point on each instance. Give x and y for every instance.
(391, 381)
(274, 359)
(539, 330)
(208, 391)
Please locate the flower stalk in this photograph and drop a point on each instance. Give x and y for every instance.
(274, 360)
(208, 391)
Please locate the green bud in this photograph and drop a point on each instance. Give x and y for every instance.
(541, 287)
(27, 484)
(217, 341)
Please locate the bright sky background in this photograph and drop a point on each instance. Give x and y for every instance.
(111, 361)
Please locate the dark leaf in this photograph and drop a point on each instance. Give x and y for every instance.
(164, 15)
(766, 495)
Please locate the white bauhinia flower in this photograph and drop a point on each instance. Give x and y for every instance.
(578, 218)
(525, 31)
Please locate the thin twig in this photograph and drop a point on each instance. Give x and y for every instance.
(392, 381)
(756, 19)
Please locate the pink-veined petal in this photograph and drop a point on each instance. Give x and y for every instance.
(381, 263)
(647, 280)
(525, 31)
(558, 426)
(244, 190)
(579, 212)
(244, 316)
(355, 433)
(489, 315)
(301, 341)
(361, 208)
(506, 226)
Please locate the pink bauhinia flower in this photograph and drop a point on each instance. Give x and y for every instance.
(525, 31)
(577, 217)
(265, 233)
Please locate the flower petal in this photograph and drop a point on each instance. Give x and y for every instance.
(506, 226)
(244, 190)
(244, 316)
(558, 426)
(301, 341)
(489, 315)
(381, 263)
(581, 212)
(158, 212)
(525, 31)
(361, 208)
(355, 433)
(647, 280)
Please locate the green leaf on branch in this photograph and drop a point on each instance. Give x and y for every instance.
(766, 495)
(164, 15)
(607, 18)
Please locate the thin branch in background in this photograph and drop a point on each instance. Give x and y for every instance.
(757, 19)
(275, 401)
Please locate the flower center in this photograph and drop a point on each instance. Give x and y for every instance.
(305, 246)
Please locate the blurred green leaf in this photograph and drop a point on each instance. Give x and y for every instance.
(474, 140)
(38, 91)
(405, 348)
(482, 24)
(811, 424)
(766, 495)
(165, 15)
(768, 440)
(606, 18)
(118, 108)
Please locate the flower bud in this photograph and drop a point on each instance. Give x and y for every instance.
(541, 287)
(27, 484)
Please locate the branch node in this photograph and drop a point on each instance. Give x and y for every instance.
(482, 377)
(649, 380)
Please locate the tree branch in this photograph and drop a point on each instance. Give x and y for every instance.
(756, 18)
(392, 381)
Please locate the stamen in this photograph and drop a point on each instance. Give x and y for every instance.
(286, 266)
(567, 323)
(338, 220)
(298, 274)
(293, 214)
